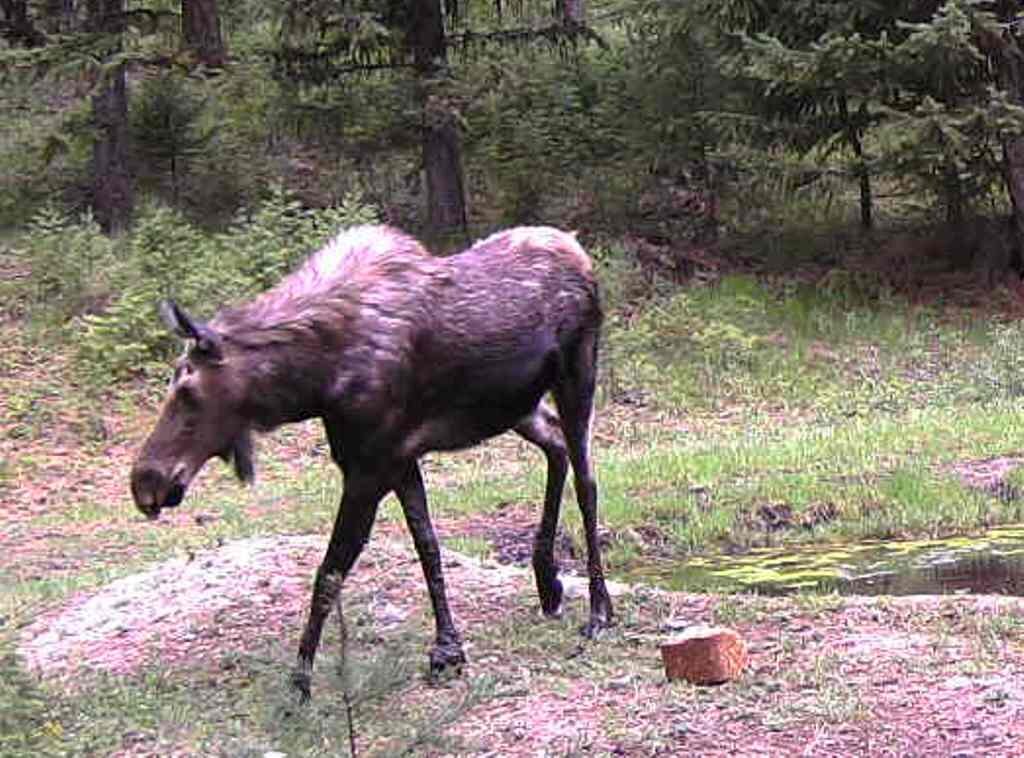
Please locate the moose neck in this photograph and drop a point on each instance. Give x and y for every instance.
(287, 379)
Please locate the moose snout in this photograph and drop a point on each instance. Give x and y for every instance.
(154, 489)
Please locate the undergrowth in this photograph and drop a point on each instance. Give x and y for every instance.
(244, 706)
(103, 293)
(749, 346)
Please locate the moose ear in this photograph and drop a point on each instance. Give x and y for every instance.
(183, 325)
(178, 321)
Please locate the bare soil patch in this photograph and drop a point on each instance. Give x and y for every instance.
(877, 677)
(922, 676)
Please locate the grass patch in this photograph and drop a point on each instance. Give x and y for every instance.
(475, 546)
(750, 414)
(824, 353)
(245, 705)
(866, 478)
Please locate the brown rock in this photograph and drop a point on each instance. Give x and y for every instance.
(705, 655)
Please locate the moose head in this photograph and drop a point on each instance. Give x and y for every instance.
(200, 419)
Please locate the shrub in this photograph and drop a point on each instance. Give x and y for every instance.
(169, 258)
(66, 261)
(166, 131)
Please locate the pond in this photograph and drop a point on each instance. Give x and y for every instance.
(990, 563)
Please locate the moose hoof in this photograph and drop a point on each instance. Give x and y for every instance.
(551, 601)
(446, 658)
(593, 628)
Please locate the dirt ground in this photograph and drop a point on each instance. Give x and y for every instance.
(915, 676)
(903, 676)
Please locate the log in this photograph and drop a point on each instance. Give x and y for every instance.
(704, 655)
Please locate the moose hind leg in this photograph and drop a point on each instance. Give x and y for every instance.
(574, 396)
(447, 648)
(351, 531)
(543, 429)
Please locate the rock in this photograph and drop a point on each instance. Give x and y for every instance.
(705, 655)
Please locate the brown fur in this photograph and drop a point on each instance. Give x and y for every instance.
(399, 353)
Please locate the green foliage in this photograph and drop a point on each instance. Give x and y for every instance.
(248, 708)
(67, 262)
(126, 338)
(536, 128)
(264, 246)
(667, 90)
(899, 91)
(73, 265)
(24, 181)
(770, 108)
(24, 718)
(708, 336)
(840, 348)
(999, 373)
(164, 257)
(166, 127)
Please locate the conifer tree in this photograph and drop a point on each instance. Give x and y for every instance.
(113, 190)
(901, 88)
(201, 32)
(327, 41)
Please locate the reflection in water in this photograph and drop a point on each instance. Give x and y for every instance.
(990, 564)
(976, 574)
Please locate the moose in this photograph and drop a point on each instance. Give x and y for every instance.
(399, 353)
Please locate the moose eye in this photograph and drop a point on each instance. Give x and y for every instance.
(187, 397)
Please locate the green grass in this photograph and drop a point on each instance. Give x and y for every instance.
(244, 707)
(789, 348)
(752, 414)
(775, 413)
(879, 477)
(479, 547)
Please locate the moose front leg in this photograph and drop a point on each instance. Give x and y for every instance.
(447, 648)
(351, 532)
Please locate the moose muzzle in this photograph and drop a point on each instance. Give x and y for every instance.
(154, 490)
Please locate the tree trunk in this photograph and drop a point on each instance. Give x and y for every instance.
(17, 27)
(442, 163)
(200, 29)
(1003, 49)
(1013, 155)
(862, 171)
(113, 194)
(442, 146)
(60, 16)
(953, 189)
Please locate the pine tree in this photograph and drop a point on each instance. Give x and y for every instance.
(17, 27)
(113, 190)
(901, 88)
(201, 32)
(327, 41)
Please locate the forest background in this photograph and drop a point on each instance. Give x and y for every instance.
(676, 137)
(807, 219)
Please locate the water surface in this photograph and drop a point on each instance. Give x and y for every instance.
(990, 563)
